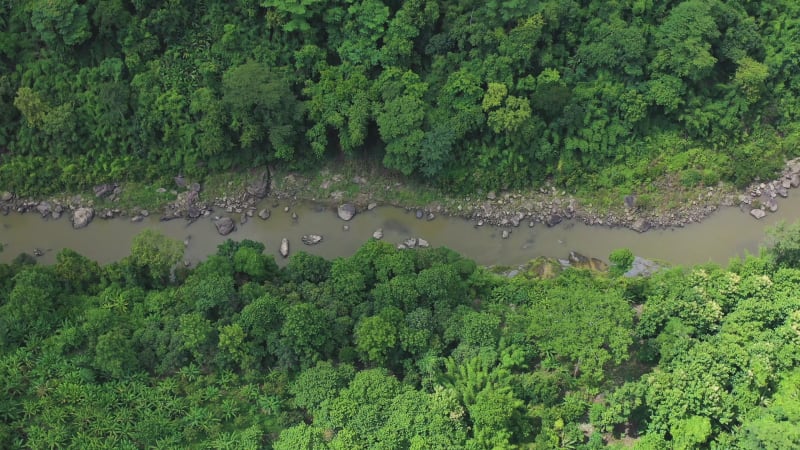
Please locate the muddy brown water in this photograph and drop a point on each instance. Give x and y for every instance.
(727, 233)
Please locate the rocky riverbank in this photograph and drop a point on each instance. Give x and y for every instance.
(547, 206)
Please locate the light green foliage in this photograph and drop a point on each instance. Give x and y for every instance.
(621, 261)
(395, 350)
(587, 323)
(155, 255)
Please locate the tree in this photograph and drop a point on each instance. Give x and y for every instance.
(263, 109)
(154, 256)
(784, 241)
(621, 261)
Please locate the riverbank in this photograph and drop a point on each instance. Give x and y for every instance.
(237, 194)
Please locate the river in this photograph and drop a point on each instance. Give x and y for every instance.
(727, 233)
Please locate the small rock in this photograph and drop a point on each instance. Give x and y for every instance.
(422, 243)
(225, 225)
(264, 214)
(758, 213)
(311, 239)
(786, 184)
(480, 223)
(345, 227)
(137, 218)
(286, 209)
(284, 248)
(505, 234)
(795, 180)
(6, 196)
(243, 219)
(531, 224)
(346, 211)
(630, 201)
(491, 195)
(372, 206)
(294, 216)
(325, 185)
(401, 246)
(783, 192)
(420, 214)
(430, 217)
(195, 187)
(144, 213)
(37, 252)
(180, 181)
(378, 234)
(161, 190)
(410, 242)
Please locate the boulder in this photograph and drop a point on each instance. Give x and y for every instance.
(420, 214)
(44, 209)
(137, 218)
(378, 234)
(782, 191)
(81, 217)
(225, 225)
(758, 213)
(259, 187)
(264, 214)
(422, 243)
(103, 190)
(553, 220)
(372, 206)
(6, 196)
(311, 239)
(795, 180)
(410, 242)
(577, 260)
(505, 234)
(771, 204)
(491, 195)
(640, 225)
(346, 211)
(430, 216)
(284, 249)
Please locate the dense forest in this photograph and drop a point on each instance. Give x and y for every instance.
(396, 349)
(465, 94)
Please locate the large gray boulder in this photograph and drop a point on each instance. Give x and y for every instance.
(640, 225)
(44, 208)
(346, 211)
(224, 225)
(758, 213)
(311, 239)
(259, 187)
(264, 214)
(284, 249)
(378, 234)
(81, 217)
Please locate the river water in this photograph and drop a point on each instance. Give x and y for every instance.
(727, 233)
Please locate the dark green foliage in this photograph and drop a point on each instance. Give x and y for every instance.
(462, 94)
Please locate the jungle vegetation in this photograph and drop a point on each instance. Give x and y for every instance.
(464, 94)
(396, 349)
